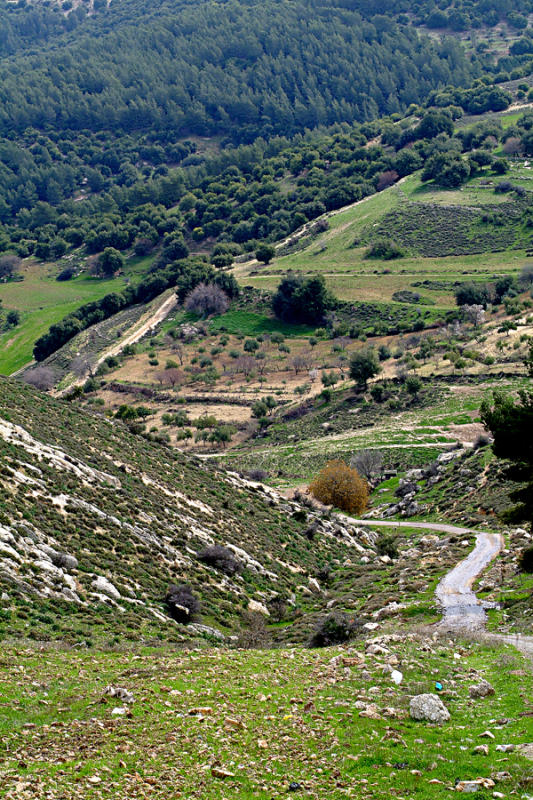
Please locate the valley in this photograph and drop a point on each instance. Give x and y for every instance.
(266, 400)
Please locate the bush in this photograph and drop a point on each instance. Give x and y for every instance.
(336, 628)
(525, 560)
(384, 249)
(182, 604)
(254, 634)
(386, 546)
(220, 558)
(341, 486)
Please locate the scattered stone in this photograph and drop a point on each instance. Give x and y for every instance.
(486, 735)
(220, 772)
(430, 708)
(481, 750)
(505, 748)
(120, 692)
(482, 689)
(294, 786)
(474, 786)
(258, 608)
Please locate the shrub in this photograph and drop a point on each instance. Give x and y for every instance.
(182, 604)
(341, 486)
(65, 274)
(220, 558)
(525, 560)
(384, 249)
(386, 546)
(254, 633)
(336, 628)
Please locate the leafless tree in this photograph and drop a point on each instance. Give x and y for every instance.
(177, 349)
(368, 463)
(9, 265)
(82, 365)
(40, 377)
(386, 179)
(172, 376)
(512, 146)
(474, 314)
(245, 364)
(206, 299)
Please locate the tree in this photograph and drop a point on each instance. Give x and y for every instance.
(511, 424)
(413, 384)
(300, 299)
(9, 265)
(13, 318)
(363, 366)
(41, 378)
(206, 299)
(110, 261)
(341, 486)
(368, 463)
(265, 253)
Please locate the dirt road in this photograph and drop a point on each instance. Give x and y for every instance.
(461, 607)
(156, 315)
(462, 610)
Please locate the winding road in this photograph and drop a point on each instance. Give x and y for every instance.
(462, 610)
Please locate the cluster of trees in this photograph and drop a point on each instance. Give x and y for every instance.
(455, 15)
(510, 420)
(302, 300)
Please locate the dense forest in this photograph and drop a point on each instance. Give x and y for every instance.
(243, 70)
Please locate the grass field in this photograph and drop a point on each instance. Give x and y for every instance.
(258, 724)
(339, 253)
(43, 301)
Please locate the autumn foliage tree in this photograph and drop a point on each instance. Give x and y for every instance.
(341, 486)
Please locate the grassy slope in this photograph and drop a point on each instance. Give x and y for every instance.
(43, 301)
(353, 277)
(268, 718)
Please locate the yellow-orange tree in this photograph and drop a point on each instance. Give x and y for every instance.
(341, 486)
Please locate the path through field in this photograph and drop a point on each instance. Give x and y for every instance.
(462, 610)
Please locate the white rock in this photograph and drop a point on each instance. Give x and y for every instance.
(103, 586)
(396, 676)
(254, 605)
(430, 708)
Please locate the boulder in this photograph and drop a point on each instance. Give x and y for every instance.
(103, 586)
(481, 689)
(430, 708)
